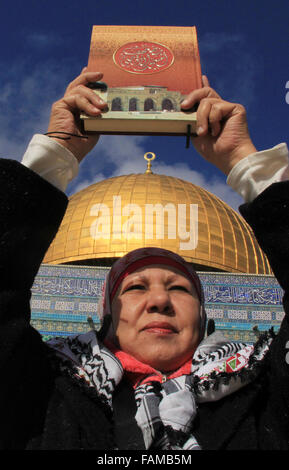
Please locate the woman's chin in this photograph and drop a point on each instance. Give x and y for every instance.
(163, 362)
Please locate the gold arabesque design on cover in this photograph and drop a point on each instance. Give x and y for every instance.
(143, 57)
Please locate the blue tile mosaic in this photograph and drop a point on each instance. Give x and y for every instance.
(63, 297)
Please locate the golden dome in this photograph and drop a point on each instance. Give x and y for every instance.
(109, 218)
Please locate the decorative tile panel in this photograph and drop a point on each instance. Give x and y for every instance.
(63, 297)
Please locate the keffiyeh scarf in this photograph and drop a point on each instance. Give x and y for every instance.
(165, 410)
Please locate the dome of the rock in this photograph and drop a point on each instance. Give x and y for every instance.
(109, 218)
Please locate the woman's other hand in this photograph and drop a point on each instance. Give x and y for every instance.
(223, 135)
(65, 113)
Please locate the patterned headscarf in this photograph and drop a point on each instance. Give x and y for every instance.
(137, 259)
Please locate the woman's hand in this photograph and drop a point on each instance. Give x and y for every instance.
(65, 113)
(223, 136)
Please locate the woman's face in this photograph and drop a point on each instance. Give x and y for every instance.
(155, 317)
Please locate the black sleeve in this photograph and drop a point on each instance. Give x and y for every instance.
(31, 210)
(268, 215)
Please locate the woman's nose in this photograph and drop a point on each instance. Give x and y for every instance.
(159, 301)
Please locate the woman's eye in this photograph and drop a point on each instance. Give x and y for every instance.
(135, 287)
(183, 288)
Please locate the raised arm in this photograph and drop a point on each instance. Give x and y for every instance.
(223, 135)
(224, 140)
(65, 114)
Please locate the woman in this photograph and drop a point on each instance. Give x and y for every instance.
(150, 379)
(154, 324)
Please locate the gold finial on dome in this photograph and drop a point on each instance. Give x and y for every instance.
(153, 156)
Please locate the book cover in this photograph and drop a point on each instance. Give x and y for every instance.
(148, 70)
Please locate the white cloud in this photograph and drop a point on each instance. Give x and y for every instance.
(43, 40)
(214, 42)
(6, 92)
(26, 95)
(120, 148)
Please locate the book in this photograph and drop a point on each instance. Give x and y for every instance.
(147, 72)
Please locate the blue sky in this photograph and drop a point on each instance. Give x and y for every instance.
(244, 51)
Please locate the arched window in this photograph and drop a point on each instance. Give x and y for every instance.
(149, 105)
(116, 104)
(133, 104)
(167, 105)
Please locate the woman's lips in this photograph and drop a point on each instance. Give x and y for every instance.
(160, 328)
